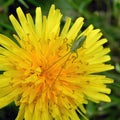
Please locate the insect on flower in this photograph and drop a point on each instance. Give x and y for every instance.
(76, 44)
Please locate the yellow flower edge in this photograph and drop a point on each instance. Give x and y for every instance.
(40, 73)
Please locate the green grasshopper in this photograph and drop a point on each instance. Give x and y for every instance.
(77, 43)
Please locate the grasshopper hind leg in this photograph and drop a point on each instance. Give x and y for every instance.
(75, 57)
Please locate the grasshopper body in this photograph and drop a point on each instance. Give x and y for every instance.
(77, 43)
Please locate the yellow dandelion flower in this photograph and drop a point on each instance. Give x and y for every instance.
(48, 76)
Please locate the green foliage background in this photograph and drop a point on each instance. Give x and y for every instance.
(103, 14)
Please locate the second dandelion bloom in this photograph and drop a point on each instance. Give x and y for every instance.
(41, 73)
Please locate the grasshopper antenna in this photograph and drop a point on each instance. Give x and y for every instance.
(60, 70)
(58, 60)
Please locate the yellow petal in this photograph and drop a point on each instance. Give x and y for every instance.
(8, 98)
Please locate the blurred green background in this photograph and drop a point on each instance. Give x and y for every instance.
(103, 14)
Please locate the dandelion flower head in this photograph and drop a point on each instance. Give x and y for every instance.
(43, 75)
